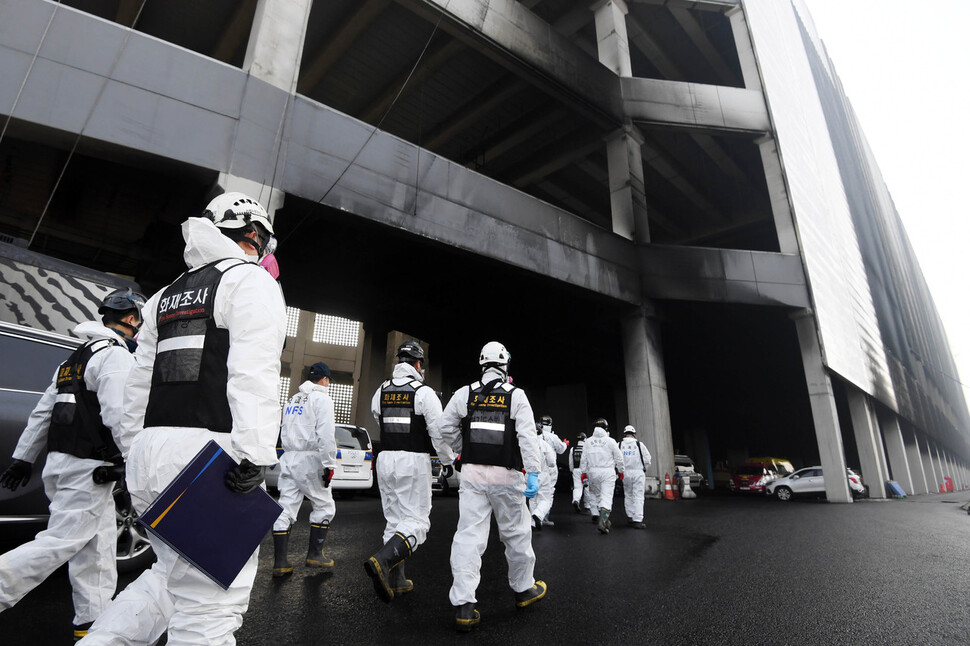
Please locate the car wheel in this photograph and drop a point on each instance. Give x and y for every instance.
(783, 493)
(134, 547)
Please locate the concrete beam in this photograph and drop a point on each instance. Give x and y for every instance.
(335, 47)
(517, 39)
(714, 108)
(721, 6)
(235, 34)
(722, 276)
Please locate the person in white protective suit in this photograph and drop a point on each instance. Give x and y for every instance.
(408, 411)
(600, 464)
(636, 459)
(580, 497)
(306, 469)
(78, 421)
(540, 506)
(207, 368)
(492, 427)
(559, 446)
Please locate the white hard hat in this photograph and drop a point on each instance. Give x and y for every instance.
(629, 430)
(494, 352)
(237, 210)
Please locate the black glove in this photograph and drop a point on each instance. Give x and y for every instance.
(327, 476)
(457, 463)
(447, 471)
(17, 474)
(113, 473)
(245, 477)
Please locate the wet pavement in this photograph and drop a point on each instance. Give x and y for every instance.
(716, 570)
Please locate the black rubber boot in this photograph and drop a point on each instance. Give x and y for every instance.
(595, 519)
(379, 566)
(281, 566)
(530, 596)
(604, 525)
(81, 631)
(314, 555)
(467, 617)
(399, 582)
(536, 523)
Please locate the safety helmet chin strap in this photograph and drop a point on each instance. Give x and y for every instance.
(239, 235)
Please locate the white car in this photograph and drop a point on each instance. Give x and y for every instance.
(810, 482)
(355, 460)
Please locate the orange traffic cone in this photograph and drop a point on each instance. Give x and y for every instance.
(942, 488)
(668, 492)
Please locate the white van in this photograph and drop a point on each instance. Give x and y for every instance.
(355, 460)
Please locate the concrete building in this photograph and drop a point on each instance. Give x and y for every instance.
(665, 209)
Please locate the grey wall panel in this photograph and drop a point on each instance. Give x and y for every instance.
(843, 303)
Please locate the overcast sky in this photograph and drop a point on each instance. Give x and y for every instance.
(904, 65)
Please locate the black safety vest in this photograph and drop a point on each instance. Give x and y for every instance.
(577, 454)
(488, 432)
(401, 428)
(76, 427)
(191, 358)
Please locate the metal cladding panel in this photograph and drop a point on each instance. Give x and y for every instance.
(51, 295)
(850, 335)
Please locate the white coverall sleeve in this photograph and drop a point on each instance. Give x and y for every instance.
(139, 382)
(428, 405)
(34, 438)
(375, 405)
(617, 457)
(584, 460)
(554, 441)
(107, 378)
(254, 313)
(449, 424)
(326, 431)
(525, 428)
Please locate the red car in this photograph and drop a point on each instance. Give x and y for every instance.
(751, 478)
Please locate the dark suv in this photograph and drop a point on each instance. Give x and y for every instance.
(29, 360)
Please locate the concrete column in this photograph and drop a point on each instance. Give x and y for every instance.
(935, 469)
(628, 202)
(646, 387)
(742, 42)
(896, 449)
(869, 442)
(276, 42)
(915, 459)
(778, 195)
(612, 43)
(824, 413)
(273, 55)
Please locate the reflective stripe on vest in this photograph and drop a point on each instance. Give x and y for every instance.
(191, 372)
(488, 432)
(401, 428)
(76, 427)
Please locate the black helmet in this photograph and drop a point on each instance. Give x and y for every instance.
(582, 436)
(122, 300)
(602, 423)
(409, 352)
(546, 420)
(538, 428)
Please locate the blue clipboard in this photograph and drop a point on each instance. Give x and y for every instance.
(208, 524)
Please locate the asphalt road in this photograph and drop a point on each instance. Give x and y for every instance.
(716, 570)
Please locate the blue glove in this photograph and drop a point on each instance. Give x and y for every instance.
(531, 485)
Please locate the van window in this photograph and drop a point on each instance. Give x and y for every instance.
(349, 437)
(29, 364)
